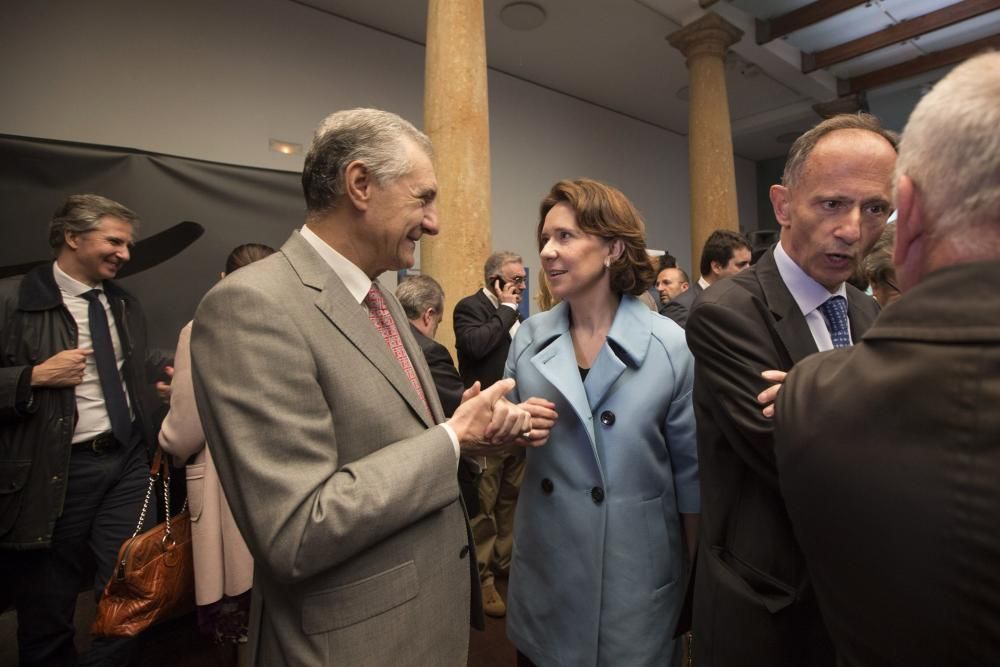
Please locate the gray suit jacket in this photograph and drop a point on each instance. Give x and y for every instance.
(345, 492)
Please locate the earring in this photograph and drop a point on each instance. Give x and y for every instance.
(607, 262)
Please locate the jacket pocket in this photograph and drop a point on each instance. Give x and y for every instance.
(13, 477)
(195, 476)
(769, 591)
(664, 555)
(361, 600)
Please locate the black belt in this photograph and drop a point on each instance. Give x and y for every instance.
(102, 442)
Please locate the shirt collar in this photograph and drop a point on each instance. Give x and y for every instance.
(703, 283)
(70, 285)
(492, 297)
(354, 279)
(808, 293)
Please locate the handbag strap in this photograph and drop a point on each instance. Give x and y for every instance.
(154, 473)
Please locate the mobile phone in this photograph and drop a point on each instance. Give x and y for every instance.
(499, 279)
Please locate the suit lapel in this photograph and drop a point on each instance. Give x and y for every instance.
(628, 338)
(351, 318)
(790, 324)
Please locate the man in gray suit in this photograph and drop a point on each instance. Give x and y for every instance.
(323, 421)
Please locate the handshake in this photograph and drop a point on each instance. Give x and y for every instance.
(486, 423)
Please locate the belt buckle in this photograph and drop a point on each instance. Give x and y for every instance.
(103, 442)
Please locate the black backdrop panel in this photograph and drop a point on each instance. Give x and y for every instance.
(235, 205)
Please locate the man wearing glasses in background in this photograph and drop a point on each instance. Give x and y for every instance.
(485, 323)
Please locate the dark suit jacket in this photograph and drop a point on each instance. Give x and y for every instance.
(752, 601)
(901, 540)
(450, 389)
(482, 338)
(678, 308)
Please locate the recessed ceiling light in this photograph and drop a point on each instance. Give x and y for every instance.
(284, 147)
(522, 15)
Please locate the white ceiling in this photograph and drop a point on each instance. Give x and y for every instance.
(614, 53)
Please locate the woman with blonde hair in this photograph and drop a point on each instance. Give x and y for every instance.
(608, 504)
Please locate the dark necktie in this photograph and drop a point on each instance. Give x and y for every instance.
(107, 368)
(834, 311)
(380, 316)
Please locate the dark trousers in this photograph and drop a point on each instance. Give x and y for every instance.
(104, 494)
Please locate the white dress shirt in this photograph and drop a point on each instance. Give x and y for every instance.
(809, 295)
(358, 284)
(92, 412)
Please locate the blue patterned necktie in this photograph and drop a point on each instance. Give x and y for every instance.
(107, 368)
(834, 311)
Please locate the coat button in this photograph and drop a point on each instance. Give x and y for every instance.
(597, 494)
(608, 418)
(464, 551)
(547, 486)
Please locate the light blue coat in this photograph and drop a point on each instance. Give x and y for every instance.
(596, 573)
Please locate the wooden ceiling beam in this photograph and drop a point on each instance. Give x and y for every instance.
(802, 17)
(916, 66)
(920, 25)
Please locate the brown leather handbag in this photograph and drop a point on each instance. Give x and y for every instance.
(154, 578)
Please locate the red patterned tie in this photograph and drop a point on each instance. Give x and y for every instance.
(380, 316)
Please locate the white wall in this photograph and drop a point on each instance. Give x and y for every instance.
(216, 79)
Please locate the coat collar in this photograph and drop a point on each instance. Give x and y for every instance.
(39, 291)
(343, 311)
(626, 347)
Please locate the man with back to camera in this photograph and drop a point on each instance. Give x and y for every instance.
(892, 486)
(422, 300)
(485, 323)
(753, 603)
(325, 427)
(74, 405)
(724, 254)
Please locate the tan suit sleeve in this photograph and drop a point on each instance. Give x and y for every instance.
(284, 398)
(181, 434)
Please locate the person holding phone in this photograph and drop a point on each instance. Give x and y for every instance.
(485, 323)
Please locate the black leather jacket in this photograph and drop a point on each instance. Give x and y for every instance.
(36, 427)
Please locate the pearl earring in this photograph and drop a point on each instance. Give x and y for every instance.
(607, 262)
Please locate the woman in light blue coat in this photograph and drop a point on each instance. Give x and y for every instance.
(608, 505)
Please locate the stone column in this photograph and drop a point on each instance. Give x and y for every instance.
(710, 141)
(456, 117)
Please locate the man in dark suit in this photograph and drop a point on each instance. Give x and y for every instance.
(753, 604)
(423, 302)
(725, 254)
(892, 486)
(485, 323)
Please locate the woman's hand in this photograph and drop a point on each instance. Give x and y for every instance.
(543, 418)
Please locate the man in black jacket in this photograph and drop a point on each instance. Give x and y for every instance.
(753, 601)
(75, 392)
(485, 323)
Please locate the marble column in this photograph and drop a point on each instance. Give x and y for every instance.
(710, 142)
(456, 117)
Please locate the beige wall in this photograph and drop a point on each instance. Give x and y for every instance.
(214, 80)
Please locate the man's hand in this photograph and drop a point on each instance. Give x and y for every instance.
(508, 293)
(164, 388)
(486, 419)
(64, 369)
(768, 396)
(543, 418)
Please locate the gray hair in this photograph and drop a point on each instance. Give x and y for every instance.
(951, 151)
(83, 213)
(371, 136)
(418, 293)
(495, 262)
(804, 145)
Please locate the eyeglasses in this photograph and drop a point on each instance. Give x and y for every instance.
(517, 280)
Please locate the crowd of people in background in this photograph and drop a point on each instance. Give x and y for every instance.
(790, 460)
